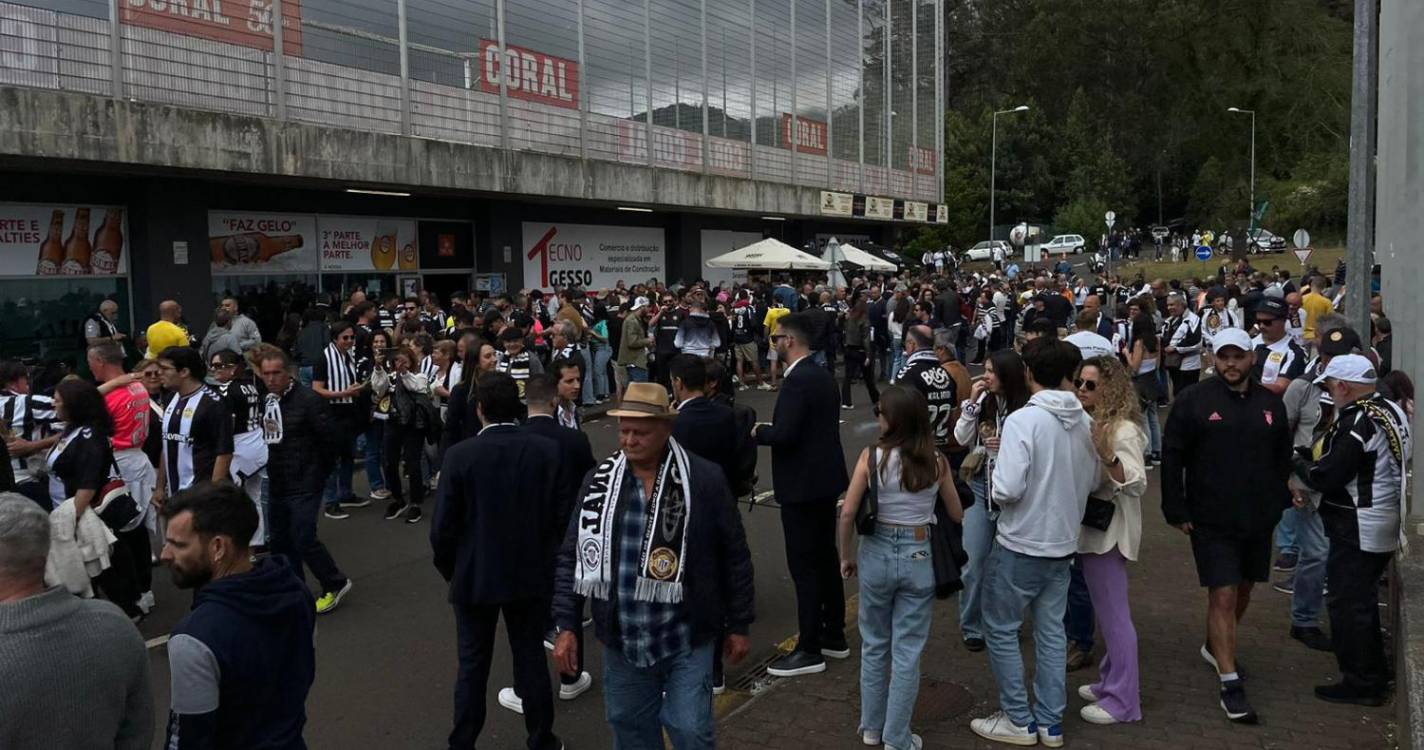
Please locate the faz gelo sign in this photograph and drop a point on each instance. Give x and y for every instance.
(530, 75)
(243, 22)
(810, 137)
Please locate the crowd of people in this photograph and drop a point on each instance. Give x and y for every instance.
(1019, 490)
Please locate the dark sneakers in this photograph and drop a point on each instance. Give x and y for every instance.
(1286, 562)
(1312, 637)
(412, 515)
(974, 645)
(396, 509)
(1234, 703)
(1078, 658)
(797, 663)
(835, 647)
(1342, 693)
(334, 511)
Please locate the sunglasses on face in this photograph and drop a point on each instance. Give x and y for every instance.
(1266, 321)
(1085, 385)
(220, 366)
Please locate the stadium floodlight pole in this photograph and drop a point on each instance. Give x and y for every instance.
(1252, 112)
(993, 160)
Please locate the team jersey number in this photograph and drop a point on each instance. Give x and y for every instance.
(940, 415)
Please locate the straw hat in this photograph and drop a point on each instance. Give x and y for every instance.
(644, 400)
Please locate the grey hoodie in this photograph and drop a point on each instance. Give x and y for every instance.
(1045, 469)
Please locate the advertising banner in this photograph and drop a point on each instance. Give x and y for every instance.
(879, 208)
(836, 204)
(364, 243)
(244, 22)
(592, 256)
(811, 136)
(923, 160)
(916, 211)
(49, 240)
(530, 75)
(251, 242)
(717, 242)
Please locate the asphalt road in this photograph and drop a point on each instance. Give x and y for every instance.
(386, 658)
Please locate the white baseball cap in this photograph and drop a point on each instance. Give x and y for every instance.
(639, 303)
(1351, 368)
(1231, 337)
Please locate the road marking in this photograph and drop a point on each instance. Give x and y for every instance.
(155, 642)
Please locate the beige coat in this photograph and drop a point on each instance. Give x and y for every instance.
(1125, 531)
(76, 555)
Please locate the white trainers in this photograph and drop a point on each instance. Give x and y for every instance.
(510, 700)
(569, 692)
(146, 602)
(1086, 693)
(870, 737)
(1000, 728)
(764, 387)
(915, 744)
(1095, 714)
(381, 494)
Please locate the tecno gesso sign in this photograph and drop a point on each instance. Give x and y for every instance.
(591, 256)
(529, 75)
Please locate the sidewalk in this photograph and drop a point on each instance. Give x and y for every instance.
(1179, 701)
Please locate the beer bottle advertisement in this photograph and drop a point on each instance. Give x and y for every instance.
(257, 242)
(38, 239)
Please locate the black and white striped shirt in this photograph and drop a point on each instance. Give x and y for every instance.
(29, 417)
(337, 370)
(197, 428)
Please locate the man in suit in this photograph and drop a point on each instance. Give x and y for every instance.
(703, 426)
(808, 474)
(878, 315)
(575, 461)
(495, 534)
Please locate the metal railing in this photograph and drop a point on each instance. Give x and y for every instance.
(346, 76)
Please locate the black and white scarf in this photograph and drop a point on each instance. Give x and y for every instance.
(664, 546)
(272, 426)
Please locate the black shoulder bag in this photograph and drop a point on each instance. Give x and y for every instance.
(869, 510)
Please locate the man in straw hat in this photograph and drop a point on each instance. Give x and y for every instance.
(658, 544)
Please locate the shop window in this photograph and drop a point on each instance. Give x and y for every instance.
(44, 318)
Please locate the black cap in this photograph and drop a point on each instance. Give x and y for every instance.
(1273, 307)
(1216, 292)
(511, 334)
(1341, 341)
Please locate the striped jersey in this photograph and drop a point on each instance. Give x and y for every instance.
(1359, 473)
(28, 417)
(338, 371)
(197, 428)
(516, 366)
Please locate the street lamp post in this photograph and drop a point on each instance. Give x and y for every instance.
(1252, 212)
(994, 157)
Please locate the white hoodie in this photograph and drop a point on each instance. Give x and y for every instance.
(1045, 469)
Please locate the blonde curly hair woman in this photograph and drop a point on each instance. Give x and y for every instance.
(1105, 389)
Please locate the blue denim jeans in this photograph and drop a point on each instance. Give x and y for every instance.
(637, 374)
(896, 601)
(1313, 548)
(595, 377)
(304, 374)
(1286, 531)
(1152, 425)
(1015, 583)
(978, 539)
(675, 694)
(896, 363)
(375, 446)
(338, 484)
(1078, 615)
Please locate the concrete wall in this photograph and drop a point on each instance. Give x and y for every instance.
(85, 127)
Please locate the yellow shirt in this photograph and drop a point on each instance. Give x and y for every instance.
(162, 335)
(773, 318)
(1314, 305)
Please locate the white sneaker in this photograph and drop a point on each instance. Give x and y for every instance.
(870, 737)
(510, 700)
(1000, 728)
(381, 494)
(1086, 693)
(569, 692)
(1095, 714)
(915, 744)
(146, 602)
(764, 387)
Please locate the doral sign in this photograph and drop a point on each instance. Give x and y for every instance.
(530, 75)
(810, 136)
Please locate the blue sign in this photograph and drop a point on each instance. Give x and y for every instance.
(1203, 252)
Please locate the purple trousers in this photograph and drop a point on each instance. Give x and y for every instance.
(1118, 687)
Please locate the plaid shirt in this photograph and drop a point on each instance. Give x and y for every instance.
(651, 631)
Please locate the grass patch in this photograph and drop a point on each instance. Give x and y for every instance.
(1322, 258)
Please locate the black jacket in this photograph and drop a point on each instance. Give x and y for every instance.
(878, 316)
(496, 523)
(1226, 457)
(300, 463)
(575, 460)
(709, 429)
(807, 462)
(718, 586)
(946, 307)
(461, 419)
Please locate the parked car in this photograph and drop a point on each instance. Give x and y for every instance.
(1265, 241)
(1064, 244)
(985, 250)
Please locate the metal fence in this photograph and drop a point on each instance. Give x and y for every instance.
(716, 87)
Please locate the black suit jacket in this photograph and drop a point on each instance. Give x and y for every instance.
(496, 527)
(946, 307)
(575, 460)
(879, 319)
(709, 429)
(807, 463)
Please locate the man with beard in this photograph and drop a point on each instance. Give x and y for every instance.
(243, 659)
(1226, 456)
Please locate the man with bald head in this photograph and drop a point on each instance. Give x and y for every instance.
(1295, 319)
(168, 331)
(101, 327)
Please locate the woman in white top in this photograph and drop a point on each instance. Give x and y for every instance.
(895, 564)
(1107, 393)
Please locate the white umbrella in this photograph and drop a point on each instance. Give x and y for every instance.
(865, 260)
(769, 255)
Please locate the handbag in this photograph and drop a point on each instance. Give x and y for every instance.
(972, 463)
(116, 506)
(1099, 513)
(869, 509)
